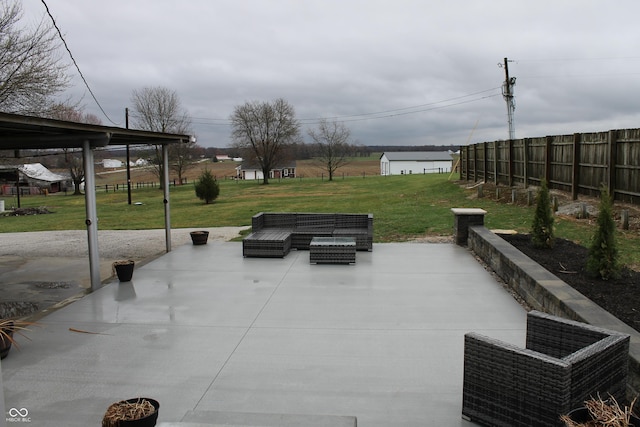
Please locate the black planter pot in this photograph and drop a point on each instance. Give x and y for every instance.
(124, 270)
(199, 237)
(148, 421)
(582, 415)
(5, 342)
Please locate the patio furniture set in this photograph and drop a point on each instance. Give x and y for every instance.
(563, 364)
(330, 237)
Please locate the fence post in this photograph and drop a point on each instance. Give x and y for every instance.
(525, 161)
(495, 162)
(575, 175)
(466, 162)
(510, 164)
(625, 219)
(612, 141)
(485, 162)
(547, 160)
(584, 213)
(475, 162)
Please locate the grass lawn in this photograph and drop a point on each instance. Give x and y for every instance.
(404, 207)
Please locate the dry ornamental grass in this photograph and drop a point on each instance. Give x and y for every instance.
(604, 414)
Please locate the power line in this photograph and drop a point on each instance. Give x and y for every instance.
(612, 58)
(75, 63)
(417, 108)
(420, 108)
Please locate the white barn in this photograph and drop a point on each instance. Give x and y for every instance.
(112, 163)
(415, 162)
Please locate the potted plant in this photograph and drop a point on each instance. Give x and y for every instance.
(124, 269)
(598, 412)
(139, 412)
(199, 237)
(8, 327)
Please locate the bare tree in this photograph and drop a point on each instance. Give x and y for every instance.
(71, 113)
(73, 159)
(265, 130)
(332, 142)
(31, 69)
(181, 158)
(158, 109)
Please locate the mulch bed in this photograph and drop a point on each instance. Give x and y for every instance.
(620, 296)
(27, 211)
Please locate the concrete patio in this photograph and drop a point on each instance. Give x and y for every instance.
(216, 337)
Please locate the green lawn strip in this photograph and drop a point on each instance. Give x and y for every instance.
(404, 207)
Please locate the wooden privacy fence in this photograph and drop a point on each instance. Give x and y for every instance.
(578, 164)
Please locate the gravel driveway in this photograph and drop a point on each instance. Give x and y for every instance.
(43, 270)
(112, 244)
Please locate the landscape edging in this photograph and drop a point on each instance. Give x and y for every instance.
(543, 291)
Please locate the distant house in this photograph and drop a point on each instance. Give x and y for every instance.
(253, 171)
(412, 162)
(34, 178)
(222, 157)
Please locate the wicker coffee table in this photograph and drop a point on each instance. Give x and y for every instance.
(332, 250)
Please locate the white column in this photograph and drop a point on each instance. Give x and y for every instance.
(92, 217)
(167, 208)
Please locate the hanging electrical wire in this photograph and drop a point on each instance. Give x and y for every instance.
(384, 114)
(75, 63)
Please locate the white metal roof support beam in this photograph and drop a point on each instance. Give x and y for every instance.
(167, 208)
(92, 216)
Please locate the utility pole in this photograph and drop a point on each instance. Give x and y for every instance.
(126, 120)
(507, 94)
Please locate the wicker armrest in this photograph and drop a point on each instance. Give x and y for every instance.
(601, 367)
(257, 222)
(505, 385)
(560, 337)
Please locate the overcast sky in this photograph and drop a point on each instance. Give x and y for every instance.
(396, 72)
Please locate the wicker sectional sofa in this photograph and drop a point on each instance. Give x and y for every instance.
(274, 234)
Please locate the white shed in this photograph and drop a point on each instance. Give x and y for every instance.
(415, 162)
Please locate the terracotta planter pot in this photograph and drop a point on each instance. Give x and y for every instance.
(199, 237)
(124, 270)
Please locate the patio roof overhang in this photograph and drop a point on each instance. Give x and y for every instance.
(18, 132)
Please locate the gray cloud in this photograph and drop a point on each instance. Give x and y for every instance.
(574, 62)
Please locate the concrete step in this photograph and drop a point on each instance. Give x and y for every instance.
(250, 419)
